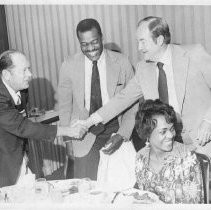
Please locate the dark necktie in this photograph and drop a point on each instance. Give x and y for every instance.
(96, 99)
(18, 105)
(162, 84)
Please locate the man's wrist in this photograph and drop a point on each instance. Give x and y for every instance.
(94, 119)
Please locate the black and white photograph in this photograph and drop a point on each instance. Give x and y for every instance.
(105, 104)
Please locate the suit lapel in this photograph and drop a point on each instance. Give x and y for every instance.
(6, 92)
(112, 73)
(180, 70)
(80, 81)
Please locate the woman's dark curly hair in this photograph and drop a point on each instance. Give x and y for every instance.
(145, 123)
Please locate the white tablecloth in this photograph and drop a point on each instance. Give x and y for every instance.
(83, 204)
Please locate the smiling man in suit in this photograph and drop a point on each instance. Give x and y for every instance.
(87, 81)
(15, 76)
(177, 74)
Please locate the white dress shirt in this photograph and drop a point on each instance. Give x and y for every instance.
(101, 63)
(167, 67)
(16, 96)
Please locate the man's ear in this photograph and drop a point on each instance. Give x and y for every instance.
(160, 40)
(6, 74)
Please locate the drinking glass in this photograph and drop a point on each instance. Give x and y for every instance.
(41, 188)
(84, 186)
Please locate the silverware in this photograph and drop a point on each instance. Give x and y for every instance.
(6, 199)
(115, 196)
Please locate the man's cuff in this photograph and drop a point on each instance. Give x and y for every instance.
(95, 119)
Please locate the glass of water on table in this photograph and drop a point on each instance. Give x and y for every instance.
(42, 188)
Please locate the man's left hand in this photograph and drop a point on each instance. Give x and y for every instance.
(113, 144)
(204, 133)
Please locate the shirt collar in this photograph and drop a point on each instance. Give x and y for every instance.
(166, 58)
(15, 96)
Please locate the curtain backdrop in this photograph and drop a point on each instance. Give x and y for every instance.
(46, 34)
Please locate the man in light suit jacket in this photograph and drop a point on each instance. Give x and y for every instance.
(188, 73)
(14, 127)
(74, 90)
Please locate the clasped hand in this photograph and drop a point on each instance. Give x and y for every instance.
(113, 143)
(78, 129)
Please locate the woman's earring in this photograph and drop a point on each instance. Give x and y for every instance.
(147, 144)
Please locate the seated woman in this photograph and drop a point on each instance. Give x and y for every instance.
(166, 167)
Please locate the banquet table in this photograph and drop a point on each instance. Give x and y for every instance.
(63, 194)
(76, 194)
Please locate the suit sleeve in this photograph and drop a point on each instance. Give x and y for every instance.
(121, 101)
(65, 94)
(205, 68)
(13, 122)
(128, 116)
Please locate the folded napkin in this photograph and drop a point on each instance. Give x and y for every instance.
(116, 172)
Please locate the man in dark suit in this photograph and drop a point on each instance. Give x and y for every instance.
(14, 127)
(186, 87)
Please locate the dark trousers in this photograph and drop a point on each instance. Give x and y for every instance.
(87, 166)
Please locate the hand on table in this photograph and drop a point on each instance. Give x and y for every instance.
(204, 133)
(113, 144)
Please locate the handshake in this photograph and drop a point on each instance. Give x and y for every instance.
(76, 130)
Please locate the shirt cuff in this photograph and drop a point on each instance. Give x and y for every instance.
(95, 118)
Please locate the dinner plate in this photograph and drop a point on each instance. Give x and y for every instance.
(64, 184)
(137, 196)
(92, 197)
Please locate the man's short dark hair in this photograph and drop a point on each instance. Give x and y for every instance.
(6, 60)
(157, 26)
(87, 25)
(145, 123)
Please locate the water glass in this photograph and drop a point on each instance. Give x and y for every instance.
(84, 186)
(41, 187)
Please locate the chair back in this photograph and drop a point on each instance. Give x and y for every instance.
(205, 168)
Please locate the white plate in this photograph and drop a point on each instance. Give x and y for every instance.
(136, 196)
(64, 184)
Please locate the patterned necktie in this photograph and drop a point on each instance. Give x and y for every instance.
(96, 99)
(162, 84)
